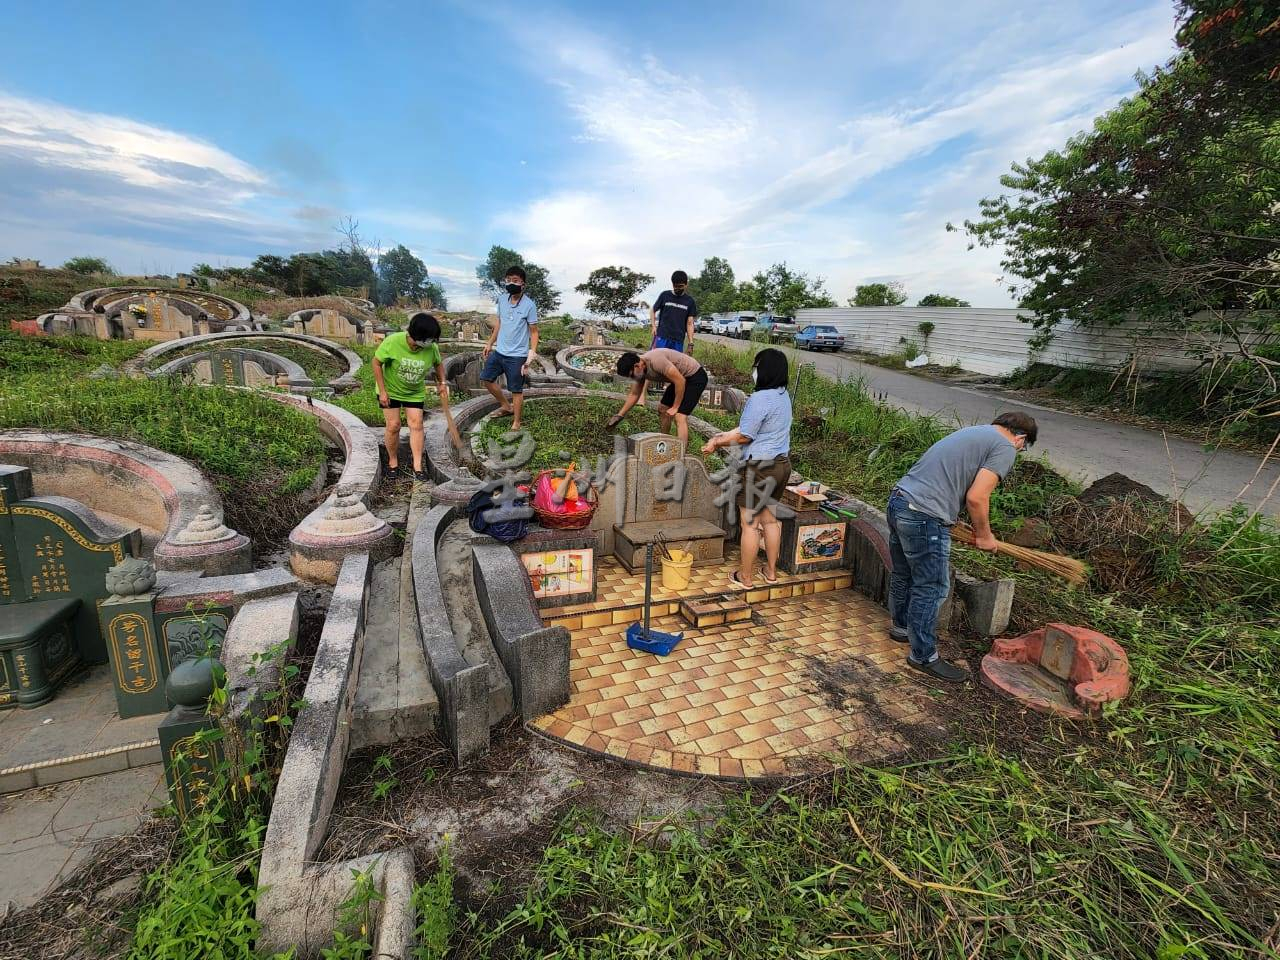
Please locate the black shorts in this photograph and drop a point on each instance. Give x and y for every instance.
(393, 403)
(693, 387)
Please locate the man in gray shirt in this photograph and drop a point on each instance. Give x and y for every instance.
(957, 472)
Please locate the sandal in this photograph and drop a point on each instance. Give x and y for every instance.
(734, 577)
(767, 578)
(503, 414)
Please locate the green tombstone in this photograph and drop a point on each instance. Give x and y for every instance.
(64, 551)
(138, 666)
(190, 756)
(15, 485)
(226, 367)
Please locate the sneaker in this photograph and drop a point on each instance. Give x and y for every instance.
(421, 476)
(939, 668)
(394, 473)
(898, 633)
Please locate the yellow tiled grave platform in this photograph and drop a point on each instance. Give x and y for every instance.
(620, 595)
(811, 673)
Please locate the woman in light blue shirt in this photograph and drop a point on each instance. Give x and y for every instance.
(765, 431)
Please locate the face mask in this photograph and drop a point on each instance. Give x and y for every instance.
(514, 288)
(755, 376)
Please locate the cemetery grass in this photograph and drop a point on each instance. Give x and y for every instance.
(262, 456)
(1152, 831)
(1220, 407)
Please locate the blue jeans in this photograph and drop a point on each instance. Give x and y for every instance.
(677, 345)
(920, 546)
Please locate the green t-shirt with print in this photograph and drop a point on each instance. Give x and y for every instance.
(404, 370)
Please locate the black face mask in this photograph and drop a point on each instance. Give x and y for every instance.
(514, 288)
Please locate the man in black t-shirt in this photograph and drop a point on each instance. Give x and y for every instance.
(672, 315)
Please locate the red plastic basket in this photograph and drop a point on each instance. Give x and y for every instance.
(566, 514)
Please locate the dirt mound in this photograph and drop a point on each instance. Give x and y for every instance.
(1117, 487)
(1128, 533)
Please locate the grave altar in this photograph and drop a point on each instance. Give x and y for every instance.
(657, 490)
(54, 556)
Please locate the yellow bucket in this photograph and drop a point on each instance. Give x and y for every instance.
(677, 570)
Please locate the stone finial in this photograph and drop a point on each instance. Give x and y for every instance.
(205, 527)
(347, 516)
(131, 577)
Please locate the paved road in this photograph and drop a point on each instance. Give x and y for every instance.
(1081, 447)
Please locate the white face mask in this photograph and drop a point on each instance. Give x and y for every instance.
(755, 376)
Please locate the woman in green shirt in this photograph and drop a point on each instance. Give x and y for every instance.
(400, 366)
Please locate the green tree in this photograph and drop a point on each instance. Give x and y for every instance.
(538, 285)
(435, 293)
(782, 291)
(878, 295)
(89, 265)
(941, 300)
(713, 289)
(1166, 209)
(401, 274)
(613, 291)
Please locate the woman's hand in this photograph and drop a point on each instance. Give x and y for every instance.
(710, 445)
(383, 400)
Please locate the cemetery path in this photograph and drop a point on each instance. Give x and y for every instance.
(1082, 447)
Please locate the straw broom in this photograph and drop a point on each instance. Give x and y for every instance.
(1072, 570)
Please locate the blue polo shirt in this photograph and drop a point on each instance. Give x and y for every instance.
(515, 321)
(766, 419)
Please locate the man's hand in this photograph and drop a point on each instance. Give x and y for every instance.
(613, 421)
(988, 542)
(383, 401)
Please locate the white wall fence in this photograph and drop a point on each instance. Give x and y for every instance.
(995, 341)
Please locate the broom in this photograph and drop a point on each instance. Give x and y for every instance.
(1072, 570)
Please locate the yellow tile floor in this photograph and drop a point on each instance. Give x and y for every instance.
(813, 674)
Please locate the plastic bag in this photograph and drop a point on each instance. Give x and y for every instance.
(565, 495)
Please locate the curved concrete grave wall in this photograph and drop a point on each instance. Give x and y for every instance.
(142, 361)
(564, 363)
(101, 299)
(535, 657)
(298, 897)
(342, 524)
(462, 688)
(169, 499)
(236, 366)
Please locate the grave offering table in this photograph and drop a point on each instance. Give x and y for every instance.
(811, 540)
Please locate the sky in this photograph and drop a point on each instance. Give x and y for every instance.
(840, 137)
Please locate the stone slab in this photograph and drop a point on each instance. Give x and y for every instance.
(702, 538)
(561, 564)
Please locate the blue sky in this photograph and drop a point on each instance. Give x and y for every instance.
(838, 136)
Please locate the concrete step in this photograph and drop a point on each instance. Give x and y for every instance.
(466, 618)
(700, 537)
(394, 699)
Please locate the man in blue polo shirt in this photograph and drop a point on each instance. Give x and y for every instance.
(672, 316)
(512, 345)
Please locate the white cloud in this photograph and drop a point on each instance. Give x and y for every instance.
(135, 153)
(678, 168)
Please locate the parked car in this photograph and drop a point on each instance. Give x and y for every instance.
(818, 336)
(731, 325)
(703, 324)
(775, 328)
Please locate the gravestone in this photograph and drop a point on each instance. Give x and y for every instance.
(667, 494)
(331, 325)
(62, 550)
(191, 747)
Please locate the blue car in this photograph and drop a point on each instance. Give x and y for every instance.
(819, 337)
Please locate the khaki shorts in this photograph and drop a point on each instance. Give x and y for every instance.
(756, 475)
